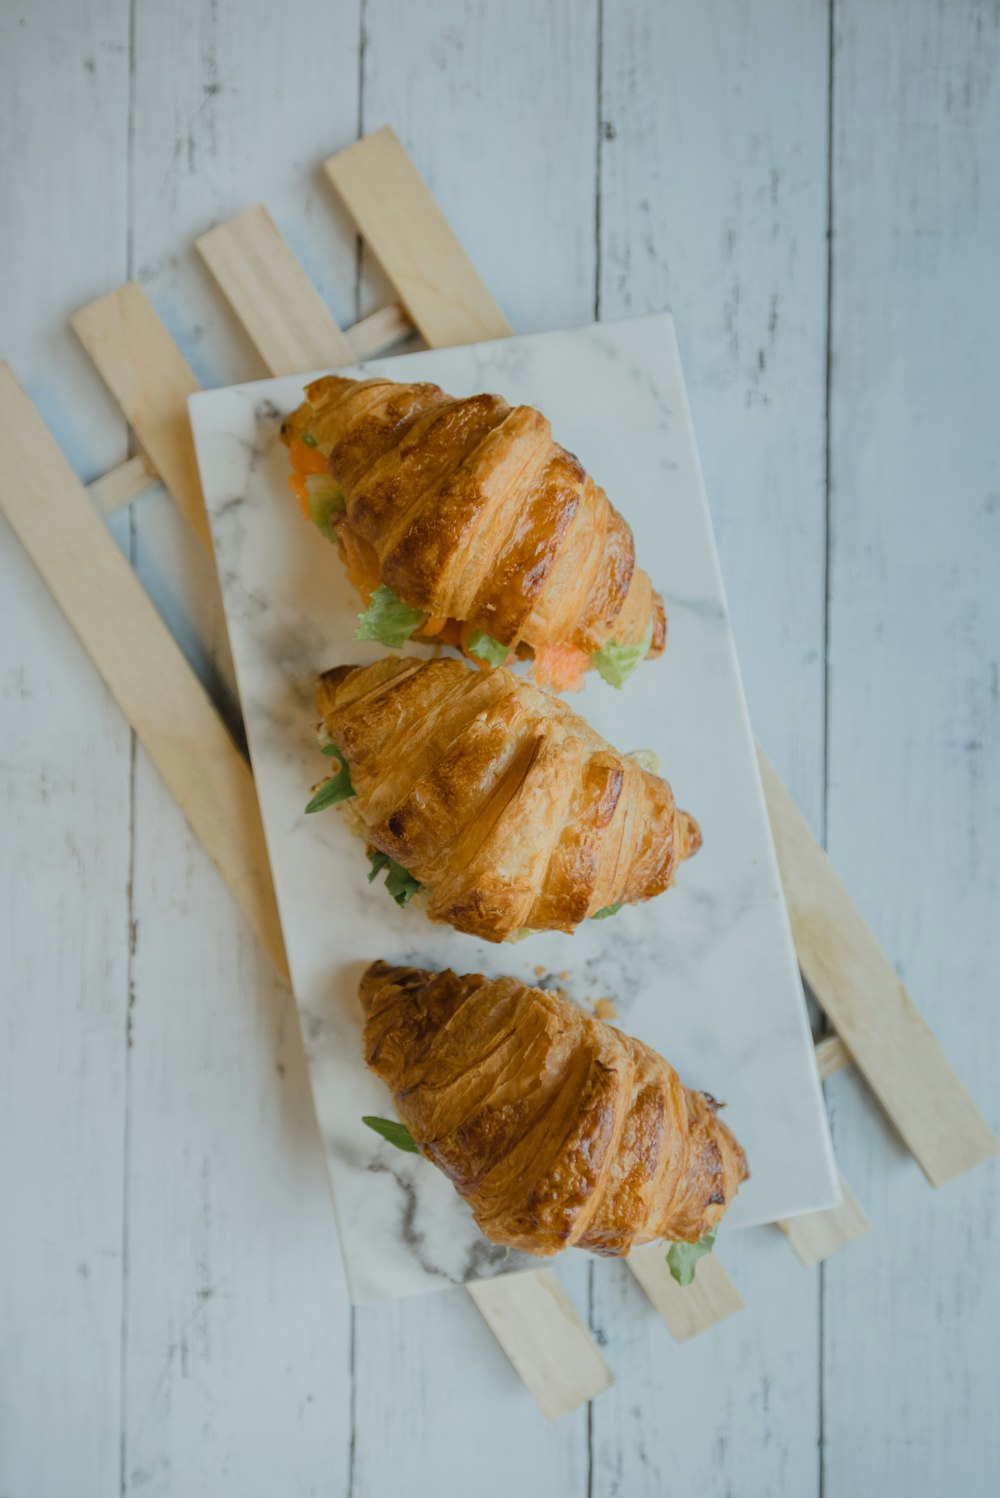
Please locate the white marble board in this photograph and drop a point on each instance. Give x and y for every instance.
(706, 973)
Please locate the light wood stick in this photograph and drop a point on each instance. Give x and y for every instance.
(832, 1056)
(119, 486)
(413, 242)
(686, 1309)
(379, 331)
(271, 295)
(538, 1327)
(147, 675)
(862, 994)
(816, 1235)
(151, 381)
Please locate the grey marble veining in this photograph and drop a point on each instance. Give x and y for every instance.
(705, 973)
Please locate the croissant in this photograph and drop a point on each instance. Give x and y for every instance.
(497, 797)
(472, 515)
(556, 1128)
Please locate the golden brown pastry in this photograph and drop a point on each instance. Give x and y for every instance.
(470, 513)
(498, 798)
(557, 1129)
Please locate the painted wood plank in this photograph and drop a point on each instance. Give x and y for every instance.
(232, 105)
(815, 1236)
(865, 1000)
(271, 295)
(65, 770)
(64, 870)
(712, 156)
(691, 1309)
(416, 247)
(539, 1329)
(913, 1312)
(150, 380)
(98, 592)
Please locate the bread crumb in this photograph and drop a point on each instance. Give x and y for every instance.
(539, 971)
(604, 1009)
(564, 976)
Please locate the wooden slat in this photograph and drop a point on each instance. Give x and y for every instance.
(538, 1327)
(119, 486)
(686, 1309)
(151, 381)
(816, 1235)
(866, 1002)
(287, 320)
(379, 331)
(413, 242)
(832, 1056)
(149, 678)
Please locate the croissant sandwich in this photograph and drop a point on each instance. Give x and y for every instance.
(557, 1129)
(464, 522)
(495, 797)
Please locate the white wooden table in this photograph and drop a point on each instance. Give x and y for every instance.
(818, 201)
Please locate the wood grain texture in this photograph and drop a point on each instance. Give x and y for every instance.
(913, 1311)
(540, 1330)
(433, 278)
(499, 108)
(97, 590)
(831, 1056)
(147, 374)
(123, 483)
(65, 816)
(815, 1236)
(271, 295)
(712, 203)
(688, 1310)
(247, 1389)
(863, 996)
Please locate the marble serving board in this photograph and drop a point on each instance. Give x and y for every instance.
(706, 973)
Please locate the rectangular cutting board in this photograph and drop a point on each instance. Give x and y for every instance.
(706, 973)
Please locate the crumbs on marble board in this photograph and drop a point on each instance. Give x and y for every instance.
(604, 1009)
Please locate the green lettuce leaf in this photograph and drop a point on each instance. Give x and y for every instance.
(325, 499)
(396, 1133)
(309, 439)
(337, 788)
(682, 1258)
(401, 885)
(388, 619)
(617, 662)
(605, 911)
(485, 648)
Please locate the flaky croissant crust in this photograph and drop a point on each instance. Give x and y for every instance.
(498, 798)
(556, 1128)
(473, 512)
